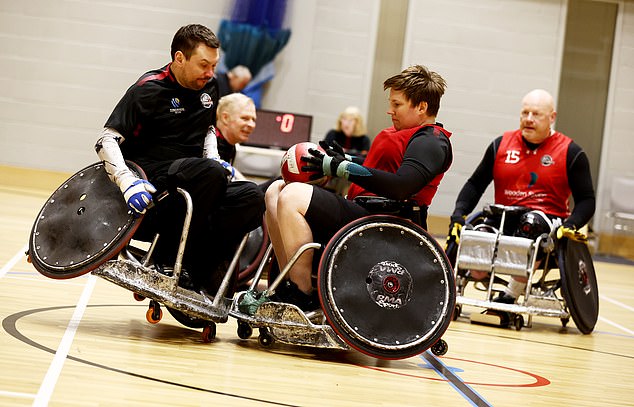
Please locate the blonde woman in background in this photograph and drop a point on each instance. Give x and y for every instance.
(350, 133)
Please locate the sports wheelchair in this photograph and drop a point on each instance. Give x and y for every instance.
(385, 288)
(531, 250)
(85, 226)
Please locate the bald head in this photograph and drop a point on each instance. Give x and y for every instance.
(537, 116)
(539, 97)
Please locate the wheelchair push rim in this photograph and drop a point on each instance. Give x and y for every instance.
(386, 287)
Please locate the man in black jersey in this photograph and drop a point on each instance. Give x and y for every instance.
(405, 161)
(165, 123)
(535, 167)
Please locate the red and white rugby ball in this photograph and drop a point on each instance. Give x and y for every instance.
(291, 166)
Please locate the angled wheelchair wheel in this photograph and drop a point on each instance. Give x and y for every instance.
(84, 223)
(186, 320)
(386, 287)
(578, 283)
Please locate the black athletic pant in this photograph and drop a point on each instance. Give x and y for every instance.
(222, 214)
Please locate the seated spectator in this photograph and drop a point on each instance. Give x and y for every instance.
(235, 80)
(350, 133)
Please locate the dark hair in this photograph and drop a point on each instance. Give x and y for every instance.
(419, 84)
(189, 36)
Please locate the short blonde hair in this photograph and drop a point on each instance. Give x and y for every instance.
(355, 113)
(229, 103)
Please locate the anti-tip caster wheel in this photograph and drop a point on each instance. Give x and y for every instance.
(564, 321)
(154, 313)
(440, 347)
(244, 330)
(265, 339)
(209, 332)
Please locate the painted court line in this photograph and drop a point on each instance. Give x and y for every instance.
(614, 324)
(615, 302)
(5, 269)
(50, 380)
(464, 389)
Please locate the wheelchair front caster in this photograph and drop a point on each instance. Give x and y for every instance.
(518, 322)
(209, 332)
(154, 313)
(244, 330)
(440, 347)
(564, 321)
(265, 339)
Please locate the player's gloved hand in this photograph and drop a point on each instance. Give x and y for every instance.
(335, 148)
(455, 226)
(137, 193)
(571, 233)
(333, 164)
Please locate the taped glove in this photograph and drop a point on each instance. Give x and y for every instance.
(137, 193)
(455, 227)
(571, 233)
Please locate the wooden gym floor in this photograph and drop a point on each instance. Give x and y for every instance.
(85, 342)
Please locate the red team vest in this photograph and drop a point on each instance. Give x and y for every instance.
(536, 179)
(386, 154)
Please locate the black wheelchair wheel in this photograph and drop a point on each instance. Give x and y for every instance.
(84, 223)
(386, 287)
(186, 320)
(578, 283)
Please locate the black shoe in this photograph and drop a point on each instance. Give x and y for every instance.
(288, 292)
(505, 298)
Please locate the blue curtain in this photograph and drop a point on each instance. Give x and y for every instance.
(254, 35)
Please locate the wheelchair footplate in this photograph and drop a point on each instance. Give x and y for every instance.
(547, 306)
(285, 323)
(149, 283)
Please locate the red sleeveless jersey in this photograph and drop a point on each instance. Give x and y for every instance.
(386, 154)
(538, 178)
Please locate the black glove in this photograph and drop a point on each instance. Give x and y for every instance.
(455, 226)
(334, 148)
(325, 164)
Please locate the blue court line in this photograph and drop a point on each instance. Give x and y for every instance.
(465, 390)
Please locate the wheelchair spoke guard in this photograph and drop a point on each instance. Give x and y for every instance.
(578, 283)
(386, 287)
(84, 223)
